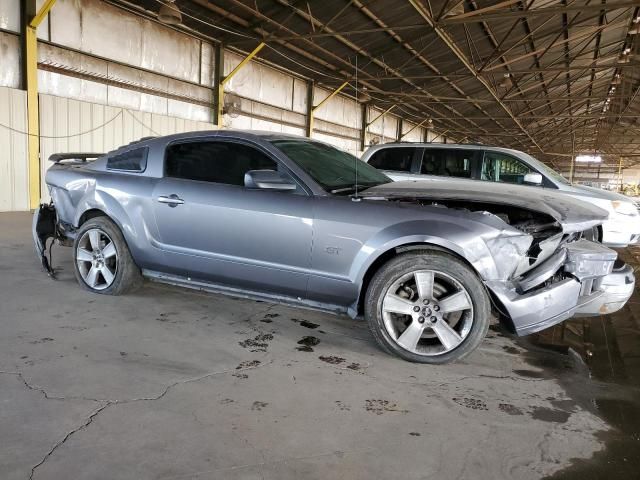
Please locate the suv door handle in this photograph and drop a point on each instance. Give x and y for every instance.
(172, 200)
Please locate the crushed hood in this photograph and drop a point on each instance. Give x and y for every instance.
(574, 215)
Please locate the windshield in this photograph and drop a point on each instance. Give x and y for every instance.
(332, 168)
(549, 172)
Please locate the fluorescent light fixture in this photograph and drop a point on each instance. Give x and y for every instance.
(589, 159)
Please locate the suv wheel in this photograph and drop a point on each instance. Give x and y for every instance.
(103, 263)
(427, 307)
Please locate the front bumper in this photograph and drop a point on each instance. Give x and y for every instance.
(592, 285)
(615, 289)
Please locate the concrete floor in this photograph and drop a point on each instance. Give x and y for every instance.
(169, 383)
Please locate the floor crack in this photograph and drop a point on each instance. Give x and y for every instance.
(48, 396)
(108, 403)
(67, 436)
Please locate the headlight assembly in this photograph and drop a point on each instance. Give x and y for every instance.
(624, 208)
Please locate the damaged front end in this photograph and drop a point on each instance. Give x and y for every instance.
(580, 278)
(546, 272)
(561, 275)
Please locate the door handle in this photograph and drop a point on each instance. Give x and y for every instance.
(172, 200)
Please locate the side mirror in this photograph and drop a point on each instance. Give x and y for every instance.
(533, 178)
(267, 180)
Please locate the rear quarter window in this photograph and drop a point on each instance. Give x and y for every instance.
(394, 159)
(131, 161)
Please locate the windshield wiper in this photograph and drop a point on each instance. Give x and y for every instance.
(344, 189)
(353, 187)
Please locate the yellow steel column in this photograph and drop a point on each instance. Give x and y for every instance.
(381, 115)
(413, 128)
(33, 118)
(224, 80)
(312, 110)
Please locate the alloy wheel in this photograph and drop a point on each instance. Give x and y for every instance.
(427, 312)
(97, 259)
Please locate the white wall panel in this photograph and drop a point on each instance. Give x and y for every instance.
(69, 125)
(351, 146)
(415, 135)
(339, 109)
(259, 82)
(10, 15)
(89, 26)
(10, 71)
(14, 186)
(43, 28)
(299, 96)
(385, 127)
(246, 122)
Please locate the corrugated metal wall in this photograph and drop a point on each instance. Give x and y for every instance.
(14, 183)
(68, 125)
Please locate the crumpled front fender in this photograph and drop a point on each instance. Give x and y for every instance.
(492, 247)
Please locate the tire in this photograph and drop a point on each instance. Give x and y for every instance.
(107, 268)
(431, 327)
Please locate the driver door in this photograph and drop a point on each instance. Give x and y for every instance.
(213, 228)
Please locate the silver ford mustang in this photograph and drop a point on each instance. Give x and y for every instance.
(292, 220)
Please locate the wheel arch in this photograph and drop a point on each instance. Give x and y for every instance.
(103, 204)
(89, 214)
(393, 252)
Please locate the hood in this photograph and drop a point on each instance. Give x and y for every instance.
(597, 193)
(574, 215)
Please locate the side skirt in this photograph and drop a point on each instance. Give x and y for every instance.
(205, 286)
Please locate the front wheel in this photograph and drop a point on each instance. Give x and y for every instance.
(103, 263)
(427, 307)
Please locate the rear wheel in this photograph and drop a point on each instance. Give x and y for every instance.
(103, 263)
(427, 307)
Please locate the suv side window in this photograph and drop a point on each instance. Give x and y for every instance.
(499, 167)
(454, 162)
(215, 161)
(394, 159)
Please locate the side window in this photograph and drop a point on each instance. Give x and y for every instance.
(498, 167)
(394, 159)
(131, 161)
(447, 162)
(216, 162)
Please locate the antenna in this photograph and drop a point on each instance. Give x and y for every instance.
(357, 105)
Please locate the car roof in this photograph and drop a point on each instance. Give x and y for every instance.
(462, 146)
(254, 135)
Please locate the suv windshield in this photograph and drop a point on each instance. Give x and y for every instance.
(332, 168)
(549, 172)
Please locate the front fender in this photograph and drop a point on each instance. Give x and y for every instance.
(464, 239)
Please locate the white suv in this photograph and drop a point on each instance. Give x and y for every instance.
(437, 162)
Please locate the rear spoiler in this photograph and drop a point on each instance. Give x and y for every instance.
(76, 157)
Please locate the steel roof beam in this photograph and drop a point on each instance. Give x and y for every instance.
(479, 16)
(456, 51)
